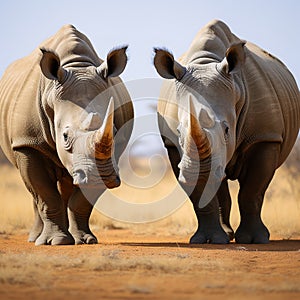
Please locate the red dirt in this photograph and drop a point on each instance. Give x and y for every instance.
(128, 266)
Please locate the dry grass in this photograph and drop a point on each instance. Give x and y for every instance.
(16, 203)
(281, 209)
(202, 271)
(21, 268)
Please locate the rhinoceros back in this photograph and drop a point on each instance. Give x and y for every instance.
(272, 111)
(18, 91)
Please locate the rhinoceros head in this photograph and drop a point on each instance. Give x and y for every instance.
(82, 110)
(207, 98)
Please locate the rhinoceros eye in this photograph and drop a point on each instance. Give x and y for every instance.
(68, 138)
(65, 134)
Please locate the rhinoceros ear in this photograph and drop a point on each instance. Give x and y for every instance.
(50, 66)
(114, 64)
(234, 58)
(166, 66)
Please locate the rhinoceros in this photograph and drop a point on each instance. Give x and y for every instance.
(228, 110)
(62, 108)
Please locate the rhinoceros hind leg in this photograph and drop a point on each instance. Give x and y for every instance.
(255, 177)
(224, 199)
(37, 227)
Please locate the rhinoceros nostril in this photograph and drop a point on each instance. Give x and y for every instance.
(79, 177)
(114, 183)
(118, 181)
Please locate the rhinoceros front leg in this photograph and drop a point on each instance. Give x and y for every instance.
(209, 226)
(39, 176)
(256, 174)
(65, 189)
(79, 214)
(38, 225)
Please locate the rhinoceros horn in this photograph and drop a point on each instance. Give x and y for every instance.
(102, 139)
(196, 135)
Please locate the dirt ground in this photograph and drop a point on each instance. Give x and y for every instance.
(128, 266)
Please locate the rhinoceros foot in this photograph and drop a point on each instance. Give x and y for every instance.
(33, 236)
(82, 237)
(57, 238)
(209, 233)
(252, 232)
(35, 231)
(209, 237)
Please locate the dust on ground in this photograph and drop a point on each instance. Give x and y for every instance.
(125, 265)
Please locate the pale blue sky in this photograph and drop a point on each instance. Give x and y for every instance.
(274, 25)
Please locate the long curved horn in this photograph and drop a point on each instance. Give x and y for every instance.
(102, 139)
(197, 134)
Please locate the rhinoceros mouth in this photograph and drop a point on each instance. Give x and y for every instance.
(80, 179)
(95, 173)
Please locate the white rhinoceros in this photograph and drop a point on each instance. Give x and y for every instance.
(61, 110)
(229, 110)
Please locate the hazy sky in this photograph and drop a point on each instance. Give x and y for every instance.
(274, 25)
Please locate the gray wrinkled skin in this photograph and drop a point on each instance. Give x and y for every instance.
(60, 109)
(228, 110)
